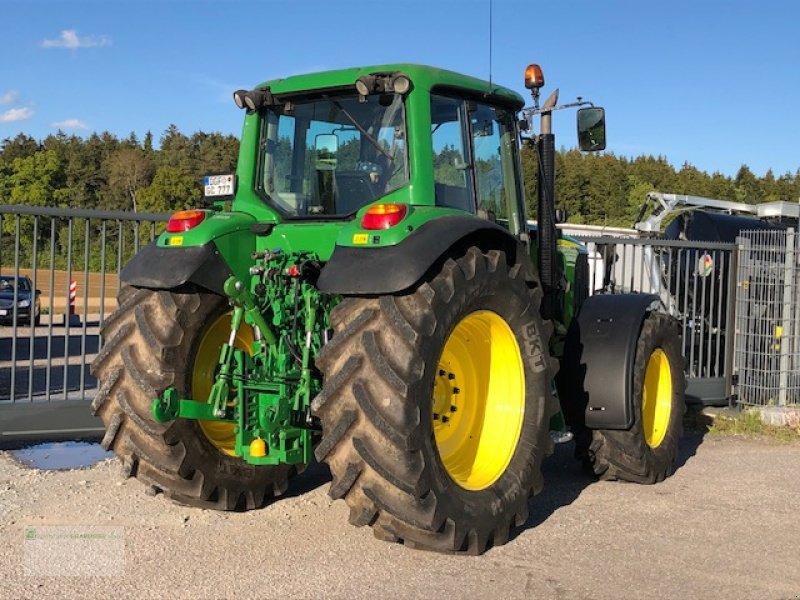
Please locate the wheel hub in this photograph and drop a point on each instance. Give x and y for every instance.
(445, 399)
(478, 400)
(656, 398)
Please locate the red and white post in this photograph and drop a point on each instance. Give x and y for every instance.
(73, 292)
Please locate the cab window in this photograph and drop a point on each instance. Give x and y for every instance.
(494, 144)
(451, 169)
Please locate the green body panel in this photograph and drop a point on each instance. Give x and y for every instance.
(352, 234)
(231, 233)
(301, 236)
(215, 225)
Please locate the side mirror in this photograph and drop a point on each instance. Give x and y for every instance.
(592, 129)
(38, 292)
(482, 127)
(561, 215)
(326, 146)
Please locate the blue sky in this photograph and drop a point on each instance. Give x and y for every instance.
(709, 82)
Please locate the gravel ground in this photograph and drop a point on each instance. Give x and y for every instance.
(726, 525)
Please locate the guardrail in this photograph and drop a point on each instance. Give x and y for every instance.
(47, 343)
(45, 384)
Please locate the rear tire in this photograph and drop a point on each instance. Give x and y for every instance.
(150, 344)
(646, 452)
(377, 407)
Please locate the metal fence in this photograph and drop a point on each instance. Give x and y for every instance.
(44, 367)
(767, 358)
(696, 284)
(45, 383)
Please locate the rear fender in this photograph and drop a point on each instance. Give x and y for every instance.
(599, 356)
(392, 269)
(205, 256)
(165, 268)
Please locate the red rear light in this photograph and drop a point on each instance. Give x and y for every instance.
(184, 220)
(383, 216)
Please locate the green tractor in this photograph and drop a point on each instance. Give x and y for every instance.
(366, 290)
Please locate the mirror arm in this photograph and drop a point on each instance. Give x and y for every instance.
(530, 110)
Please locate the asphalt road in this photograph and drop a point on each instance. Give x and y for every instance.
(726, 525)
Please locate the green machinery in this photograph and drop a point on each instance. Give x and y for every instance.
(366, 288)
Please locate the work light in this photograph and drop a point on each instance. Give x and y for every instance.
(534, 78)
(365, 84)
(400, 84)
(238, 98)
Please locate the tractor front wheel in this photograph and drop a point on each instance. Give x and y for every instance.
(157, 339)
(436, 404)
(646, 452)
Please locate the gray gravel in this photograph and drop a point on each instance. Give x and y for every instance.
(726, 525)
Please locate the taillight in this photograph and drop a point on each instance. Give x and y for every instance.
(383, 216)
(184, 220)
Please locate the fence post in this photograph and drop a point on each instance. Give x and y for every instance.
(787, 317)
(732, 317)
(73, 292)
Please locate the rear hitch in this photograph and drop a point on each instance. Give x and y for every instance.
(265, 391)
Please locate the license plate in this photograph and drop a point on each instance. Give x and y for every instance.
(218, 185)
(3, 313)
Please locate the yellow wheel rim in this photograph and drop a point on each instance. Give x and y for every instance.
(656, 398)
(479, 400)
(204, 370)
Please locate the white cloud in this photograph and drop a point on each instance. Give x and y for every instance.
(69, 38)
(16, 114)
(69, 124)
(8, 97)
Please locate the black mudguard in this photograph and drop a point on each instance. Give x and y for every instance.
(160, 268)
(599, 355)
(391, 269)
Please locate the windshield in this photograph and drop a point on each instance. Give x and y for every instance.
(332, 155)
(7, 285)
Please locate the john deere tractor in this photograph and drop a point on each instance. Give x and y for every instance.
(366, 290)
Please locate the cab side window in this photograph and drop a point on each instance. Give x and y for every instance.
(494, 146)
(451, 167)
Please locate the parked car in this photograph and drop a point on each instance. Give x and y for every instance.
(27, 300)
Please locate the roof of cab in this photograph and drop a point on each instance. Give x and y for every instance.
(420, 75)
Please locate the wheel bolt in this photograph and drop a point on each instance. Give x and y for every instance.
(453, 408)
(451, 376)
(456, 390)
(445, 419)
(435, 416)
(442, 373)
